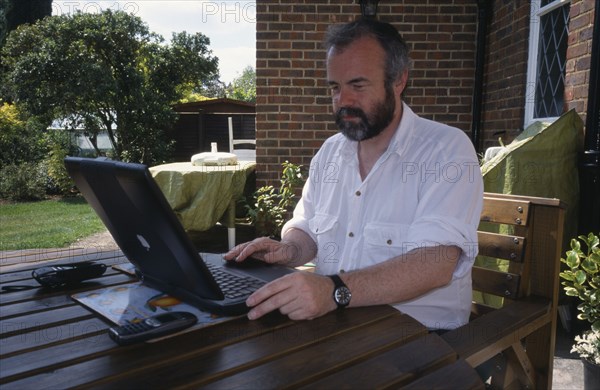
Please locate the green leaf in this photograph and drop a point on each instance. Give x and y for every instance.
(580, 277)
(589, 266)
(596, 326)
(592, 240)
(575, 245)
(572, 259)
(571, 291)
(567, 275)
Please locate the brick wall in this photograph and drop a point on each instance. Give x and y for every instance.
(293, 108)
(505, 71)
(579, 55)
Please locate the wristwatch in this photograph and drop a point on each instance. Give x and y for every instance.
(341, 292)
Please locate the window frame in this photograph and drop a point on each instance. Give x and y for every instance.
(532, 61)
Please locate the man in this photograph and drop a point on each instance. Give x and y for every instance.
(390, 211)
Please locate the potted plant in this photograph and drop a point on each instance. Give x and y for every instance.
(581, 279)
(270, 206)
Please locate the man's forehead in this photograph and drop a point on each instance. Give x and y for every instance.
(366, 43)
(362, 59)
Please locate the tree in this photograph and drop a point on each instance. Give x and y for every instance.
(244, 87)
(16, 12)
(106, 72)
(214, 88)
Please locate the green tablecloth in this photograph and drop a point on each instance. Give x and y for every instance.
(200, 195)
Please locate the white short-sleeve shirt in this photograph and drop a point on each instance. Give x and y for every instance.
(425, 190)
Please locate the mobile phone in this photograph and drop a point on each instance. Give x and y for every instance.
(152, 327)
(67, 274)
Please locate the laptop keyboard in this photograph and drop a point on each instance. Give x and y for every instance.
(234, 286)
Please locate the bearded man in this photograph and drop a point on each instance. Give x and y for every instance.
(390, 211)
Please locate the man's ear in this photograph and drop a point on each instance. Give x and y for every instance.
(400, 83)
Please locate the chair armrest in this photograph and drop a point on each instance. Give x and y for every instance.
(493, 332)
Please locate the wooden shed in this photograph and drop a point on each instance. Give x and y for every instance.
(201, 123)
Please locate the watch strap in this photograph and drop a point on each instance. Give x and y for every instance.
(340, 285)
(337, 281)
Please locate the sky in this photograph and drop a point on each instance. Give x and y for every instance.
(230, 24)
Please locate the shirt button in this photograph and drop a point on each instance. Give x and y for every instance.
(358, 193)
(350, 234)
(389, 242)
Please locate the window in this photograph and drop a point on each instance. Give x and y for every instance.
(548, 37)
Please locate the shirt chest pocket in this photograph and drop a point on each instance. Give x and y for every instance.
(382, 241)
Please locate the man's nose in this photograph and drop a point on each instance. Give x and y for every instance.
(346, 98)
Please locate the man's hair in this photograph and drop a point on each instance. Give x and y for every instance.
(340, 36)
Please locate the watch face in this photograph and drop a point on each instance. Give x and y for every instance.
(342, 296)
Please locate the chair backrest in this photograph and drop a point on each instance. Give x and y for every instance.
(516, 278)
(242, 153)
(503, 236)
(508, 264)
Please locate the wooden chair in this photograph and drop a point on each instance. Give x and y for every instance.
(527, 233)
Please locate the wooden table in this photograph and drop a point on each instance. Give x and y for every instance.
(47, 340)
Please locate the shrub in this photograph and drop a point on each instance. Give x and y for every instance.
(20, 139)
(26, 181)
(270, 207)
(60, 145)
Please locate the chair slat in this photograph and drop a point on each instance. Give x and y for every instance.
(501, 246)
(503, 284)
(506, 211)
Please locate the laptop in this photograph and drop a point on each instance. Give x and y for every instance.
(136, 213)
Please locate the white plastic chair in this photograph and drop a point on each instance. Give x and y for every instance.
(243, 154)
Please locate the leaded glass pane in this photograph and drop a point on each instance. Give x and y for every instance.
(549, 90)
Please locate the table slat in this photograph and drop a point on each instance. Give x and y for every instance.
(395, 367)
(43, 338)
(459, 375)
(112, 279)
(43, 320)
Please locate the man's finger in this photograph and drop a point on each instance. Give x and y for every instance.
(269, 297)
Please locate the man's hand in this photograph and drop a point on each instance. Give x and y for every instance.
(265, 249)
(300, 296)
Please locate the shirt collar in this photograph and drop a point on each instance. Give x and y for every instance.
(399, 141)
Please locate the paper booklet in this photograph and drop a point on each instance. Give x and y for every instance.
(133, 302)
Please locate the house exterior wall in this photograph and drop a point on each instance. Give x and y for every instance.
(506, 66)
(579, 55)
(293, 107)
(505, 72)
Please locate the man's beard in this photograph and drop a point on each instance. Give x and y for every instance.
(367, 126)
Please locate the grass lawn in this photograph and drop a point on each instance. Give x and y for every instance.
(52, 223)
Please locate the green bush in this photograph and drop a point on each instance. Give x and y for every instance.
(21, 139)
(26, 181)
(60, 146)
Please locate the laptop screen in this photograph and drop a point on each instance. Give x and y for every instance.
(141, 221)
